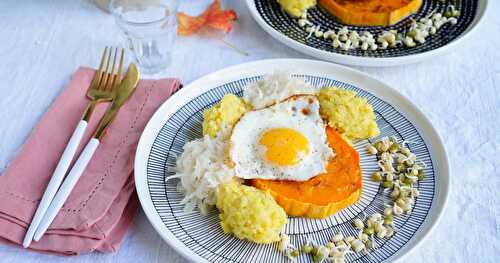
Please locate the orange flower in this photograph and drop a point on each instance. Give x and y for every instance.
(213, 17)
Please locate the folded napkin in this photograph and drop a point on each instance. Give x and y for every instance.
(103, 203)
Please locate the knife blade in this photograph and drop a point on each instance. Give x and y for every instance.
(125, 89)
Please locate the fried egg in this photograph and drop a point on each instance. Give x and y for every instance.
(285, 141)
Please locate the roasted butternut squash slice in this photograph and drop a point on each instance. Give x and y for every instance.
(325, 194)
(371, 12)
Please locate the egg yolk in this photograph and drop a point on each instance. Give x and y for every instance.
(284, 146)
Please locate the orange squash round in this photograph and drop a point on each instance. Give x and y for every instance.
(325, 194)
(371, 12)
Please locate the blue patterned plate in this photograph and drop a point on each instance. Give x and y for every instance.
(270, 16)
(201, 239)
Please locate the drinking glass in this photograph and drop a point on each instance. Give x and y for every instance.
(149, 29)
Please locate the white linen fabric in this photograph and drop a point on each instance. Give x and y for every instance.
(44, 42)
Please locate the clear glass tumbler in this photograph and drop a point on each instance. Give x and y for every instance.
(149, 28)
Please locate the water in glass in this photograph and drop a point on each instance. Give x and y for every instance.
(149, 29)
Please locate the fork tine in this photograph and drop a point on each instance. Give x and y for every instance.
(106, 74)
(120, 67)
(98, 73)
(112, 77)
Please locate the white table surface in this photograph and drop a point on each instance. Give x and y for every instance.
(43, 42)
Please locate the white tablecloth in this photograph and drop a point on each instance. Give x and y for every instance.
(44, 42)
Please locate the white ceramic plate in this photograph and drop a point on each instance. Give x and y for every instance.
(201, 239)
(282, 27)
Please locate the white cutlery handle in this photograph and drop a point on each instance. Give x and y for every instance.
(55, 180)
(66, 187)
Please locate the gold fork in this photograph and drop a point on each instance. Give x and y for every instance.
(101, 89)
(103, 85)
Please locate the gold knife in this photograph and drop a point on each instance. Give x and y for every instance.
(125, 89)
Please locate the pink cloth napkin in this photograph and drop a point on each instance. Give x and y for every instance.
(102, 205)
